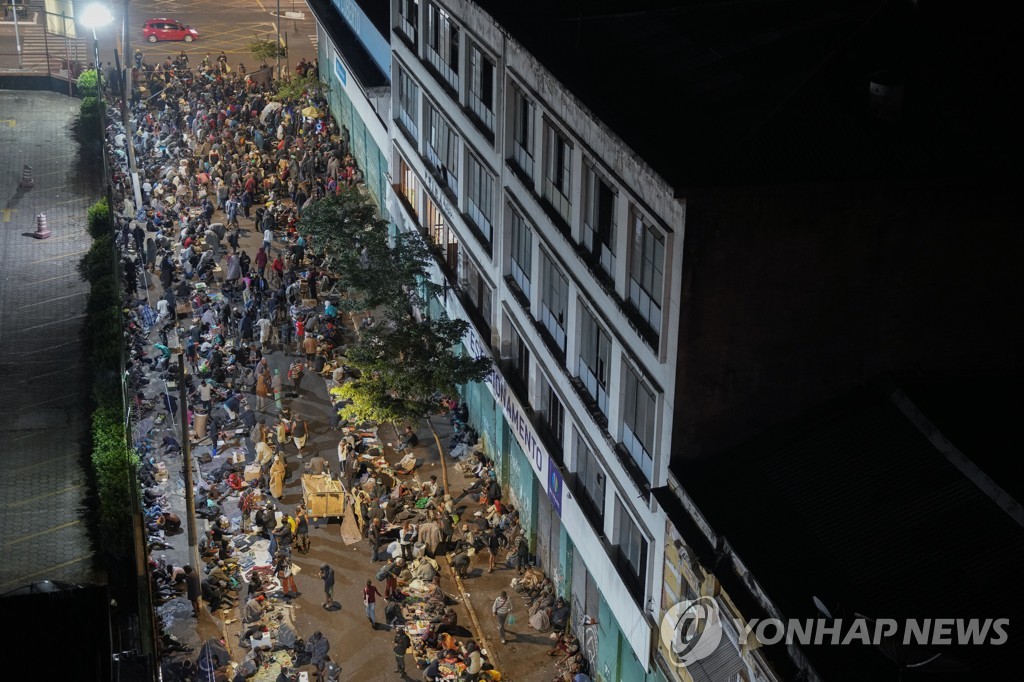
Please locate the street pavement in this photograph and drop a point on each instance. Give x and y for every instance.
(363, 653)
(42, 298)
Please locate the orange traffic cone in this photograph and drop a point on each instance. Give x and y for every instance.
(26, 177)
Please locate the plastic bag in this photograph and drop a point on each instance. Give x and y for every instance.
(511, 620)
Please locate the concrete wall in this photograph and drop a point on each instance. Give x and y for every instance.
(792, 296)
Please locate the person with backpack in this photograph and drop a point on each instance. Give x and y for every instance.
(402, 644)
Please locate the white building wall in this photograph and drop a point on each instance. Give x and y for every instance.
(636, 184)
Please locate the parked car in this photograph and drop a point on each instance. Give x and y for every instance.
(168, 29)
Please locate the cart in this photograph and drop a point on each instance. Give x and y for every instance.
(323, 496)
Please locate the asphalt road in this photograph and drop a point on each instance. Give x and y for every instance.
(228, 25)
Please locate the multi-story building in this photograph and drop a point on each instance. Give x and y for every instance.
(565, 251)
(667, 227)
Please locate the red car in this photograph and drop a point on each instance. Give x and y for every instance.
(168, 29)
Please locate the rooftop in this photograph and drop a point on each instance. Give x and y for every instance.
(856, 505)
(752, 91)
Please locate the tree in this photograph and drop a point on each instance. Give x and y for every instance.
(373, 273)
(264, 50)
(295, 87)
(405, 368)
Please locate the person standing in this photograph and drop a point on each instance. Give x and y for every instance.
(295, 373)
(302, 529)
(327, 575)
(402, 644)
(373, 536)
(406, 538)
(501, 609)
(276, 386)
(370, 595)
(193, 588)
(285, 576)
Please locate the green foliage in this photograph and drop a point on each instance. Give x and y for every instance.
(89, 117)
(373, 273)
(406, 367)
(87, 83)
(265, 50)
(296, 86)
(115, 466)
(97, 263)
(97, 220)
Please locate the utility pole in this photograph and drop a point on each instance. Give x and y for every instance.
(17, 35)
(186, 457)
(127, 82)
(278, 50)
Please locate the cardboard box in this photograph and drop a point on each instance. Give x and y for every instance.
(252, 472)
(237, 457)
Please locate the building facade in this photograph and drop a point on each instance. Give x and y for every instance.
(564, 251)
(354, 55)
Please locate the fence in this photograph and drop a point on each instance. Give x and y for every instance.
(38, 43)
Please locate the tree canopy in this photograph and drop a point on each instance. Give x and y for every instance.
(406, 367)
(375, 272)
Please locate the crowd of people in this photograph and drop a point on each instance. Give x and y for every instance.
(220, 156)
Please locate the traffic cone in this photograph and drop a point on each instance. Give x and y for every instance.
(26, 177)
(41, 231)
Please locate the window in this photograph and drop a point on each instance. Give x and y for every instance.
(557, 171)
(519, 361)
(593, 363)
(443, 239)
(409, 185)
(443, 44)
(521, 252)
(480, 196)
(590, 482)
(551, 419)
(599, 219)
(481, 86)
(639, 412)
(409, 18)
(443, 150)
(631, 551)
(477, 291)
(408, 104)
(522, 131)
(646, 271)
(553, 300)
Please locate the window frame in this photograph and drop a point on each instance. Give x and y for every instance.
(441, 133)
(520, 249)
(590, 475)
(443, 240)
(523, 114)
(409, 186)
(408, 93)
(408, 21)
(597, 350)
(554, 321)
(442, 44)
(645, 294)
(480, 195)
(598, 239)
(477, 290)
(635, 433)
(557, 185)
(483, 110)
(631, 551)
(551, 415)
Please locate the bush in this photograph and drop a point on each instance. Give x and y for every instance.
(89, 117)
(98, 220)
(265, 50)
(87, 82)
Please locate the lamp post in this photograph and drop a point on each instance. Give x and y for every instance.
(95, 16)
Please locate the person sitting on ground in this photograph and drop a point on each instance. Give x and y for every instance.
(409, 440)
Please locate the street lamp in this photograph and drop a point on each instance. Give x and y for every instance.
(95, 16)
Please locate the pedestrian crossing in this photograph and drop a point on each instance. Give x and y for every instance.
(47, 53)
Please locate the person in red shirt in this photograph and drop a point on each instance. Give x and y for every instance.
(370, 595)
